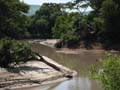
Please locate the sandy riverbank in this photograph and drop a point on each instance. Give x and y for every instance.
(34, 73)
(47, 42)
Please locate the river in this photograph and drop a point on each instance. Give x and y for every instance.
(79, 62)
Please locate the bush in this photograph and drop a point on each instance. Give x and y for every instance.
(12, 51)
(109, 75)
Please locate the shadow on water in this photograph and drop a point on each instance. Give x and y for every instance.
(79, 62)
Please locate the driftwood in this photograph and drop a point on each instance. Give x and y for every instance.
(66, 71)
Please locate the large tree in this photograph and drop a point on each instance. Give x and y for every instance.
(44, 20)
(110, 14)
(12, 18)
(72, 28)
(105, 16)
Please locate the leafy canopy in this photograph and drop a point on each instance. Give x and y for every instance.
(12, 18)
(44, 20)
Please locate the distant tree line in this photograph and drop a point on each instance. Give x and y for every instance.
(102, 24)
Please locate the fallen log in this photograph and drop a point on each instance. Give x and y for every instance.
(66, 71)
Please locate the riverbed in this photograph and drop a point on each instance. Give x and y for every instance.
(79, 62)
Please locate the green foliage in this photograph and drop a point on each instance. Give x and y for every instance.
(71, 28)
(44, 19)
(96, 4)
(12, 18)
(110, 12)
(65, 29)
(109, 75)
(12, 51)
(107, 20)
(52, 20)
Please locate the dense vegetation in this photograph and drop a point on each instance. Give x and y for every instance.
(70, 28)
(44, 19)
(102, 24)
(52, 20)
(12, 51)
(109, 74)
(13, 18)
(99, 25)
(105, 15)
(13, 23)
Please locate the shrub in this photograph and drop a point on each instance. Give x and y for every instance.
(12, 51)
(109, 75)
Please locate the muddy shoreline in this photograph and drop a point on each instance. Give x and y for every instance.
(34, 73)
(51, 43)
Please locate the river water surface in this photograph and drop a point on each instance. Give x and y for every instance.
(79, 62)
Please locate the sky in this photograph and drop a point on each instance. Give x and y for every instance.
(40, 2)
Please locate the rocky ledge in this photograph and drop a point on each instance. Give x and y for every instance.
(33, 73)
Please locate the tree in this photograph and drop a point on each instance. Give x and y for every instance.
(71, 28)
(12, 18)
(44, 20)
(109, 13)
(64, 28)
(105, 18)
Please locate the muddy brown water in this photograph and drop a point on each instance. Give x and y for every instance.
(79, 62)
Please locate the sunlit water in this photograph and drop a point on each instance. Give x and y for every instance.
(80, 62)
